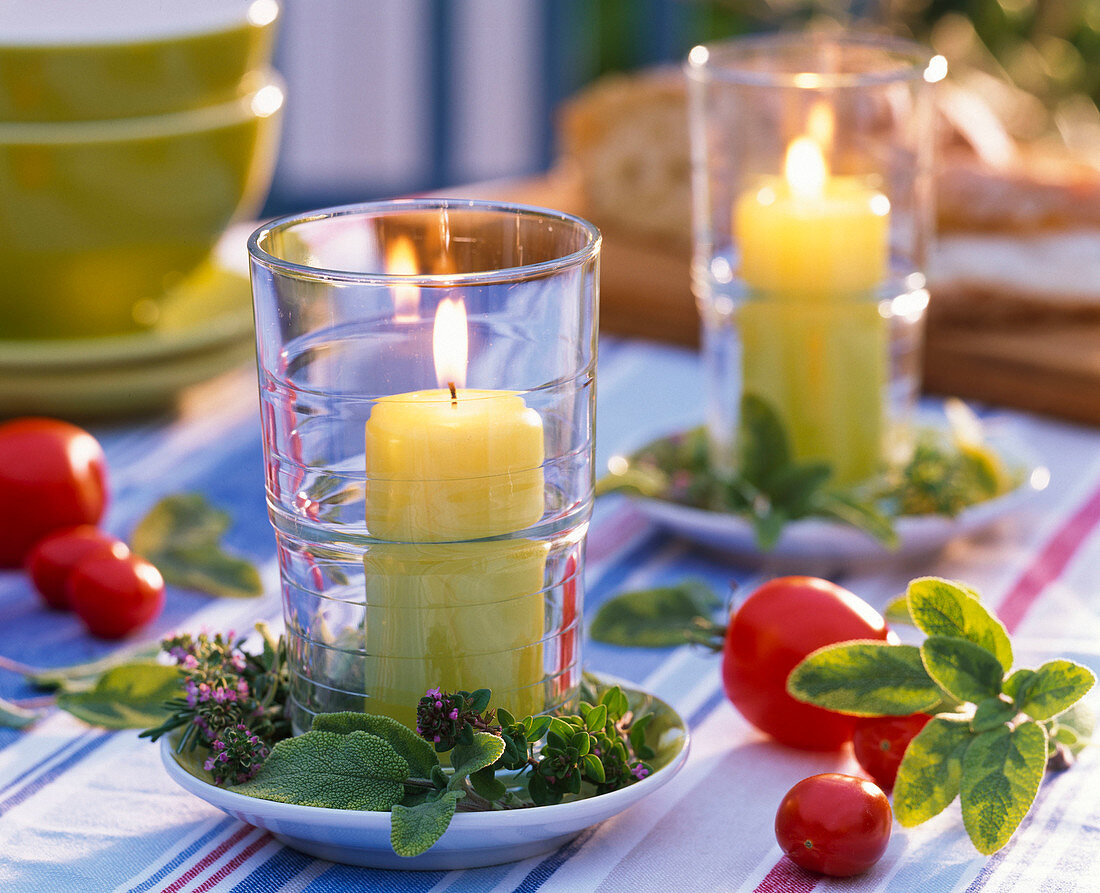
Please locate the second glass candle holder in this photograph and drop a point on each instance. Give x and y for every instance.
(427, 391)
(812, 165)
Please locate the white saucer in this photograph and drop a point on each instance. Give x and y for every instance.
(474, 839)
(811, 542)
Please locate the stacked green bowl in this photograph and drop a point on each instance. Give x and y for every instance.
(132, 134)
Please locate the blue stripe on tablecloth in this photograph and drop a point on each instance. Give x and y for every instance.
(541, 873)
(275, 872)
(342, 878)
(53, 754)
(52, 774)
(183, 856)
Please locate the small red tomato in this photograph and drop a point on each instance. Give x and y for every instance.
(52, 475)
(114, 595)
(879, 743)
(54, 556)
(769, 635)
(834, 824)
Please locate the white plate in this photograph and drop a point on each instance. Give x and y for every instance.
(828, 544)
(474, 839)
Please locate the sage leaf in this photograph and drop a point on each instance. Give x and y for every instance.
(762, 445)
(353, 771)
(945, 608)
(85, 675)
(1078, 724)
(131, 696)
(414, 830)
(1001, 773)
(416, 752)
(12, 716)
(897, 611)
(653, 618)
(992, 712)
(857, 513)
(865, 678)
(469, 758)
(964, 670)
(930, 772)
(1016, 685)
(486, 784)
(1056, 686)
(210, 570)
(181, 535)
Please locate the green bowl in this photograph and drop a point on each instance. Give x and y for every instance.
(99, 220)
(92, 60)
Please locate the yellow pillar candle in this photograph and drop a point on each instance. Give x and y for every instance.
(813, 252)
(445, 466)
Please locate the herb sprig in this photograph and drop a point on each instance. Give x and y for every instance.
(362, 761)
(944, 474)
(996, 729)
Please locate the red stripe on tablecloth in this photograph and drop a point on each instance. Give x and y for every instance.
(786, 877)
(1050, 563)
(1046, 567)
(208, 860)
(233, 864)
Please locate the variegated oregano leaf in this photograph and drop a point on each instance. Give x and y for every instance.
(997, 730)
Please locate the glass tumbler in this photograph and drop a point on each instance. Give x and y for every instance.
(427, 392)
(811, 182)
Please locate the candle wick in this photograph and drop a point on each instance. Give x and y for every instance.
(454, 394)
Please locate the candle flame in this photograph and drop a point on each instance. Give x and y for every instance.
(450, 343)
(805, 169)
(401, 261)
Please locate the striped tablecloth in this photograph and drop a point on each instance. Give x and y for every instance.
(85, 811)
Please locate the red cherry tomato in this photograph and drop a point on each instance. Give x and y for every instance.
(52, 475)
(834, 824)
(777, 626)
(879, 743)
(54, 556)
(114, 595)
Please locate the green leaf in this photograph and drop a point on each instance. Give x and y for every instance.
(897, 611)
(85, 675)
(1056, 686)
(1001, 773)
(945, 608)
(1078, 723)
(992, 712)
(596, 718)
(865, 678)
(762, 445)
(616, 703)
(414, 750)
(131, 696)
(930, 772)
(967, 671)
(469, 758)
(858, 513)
(653, 618)
(210, 570)
(181, 536)
(593, 768)
(12, 716)
(486, 784)
(479, 700)
(413, 830)
(1016, 685)
(353, 771)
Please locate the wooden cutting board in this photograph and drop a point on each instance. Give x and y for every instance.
(1051, 367)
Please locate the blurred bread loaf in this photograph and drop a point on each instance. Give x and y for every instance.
(1019, 230)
